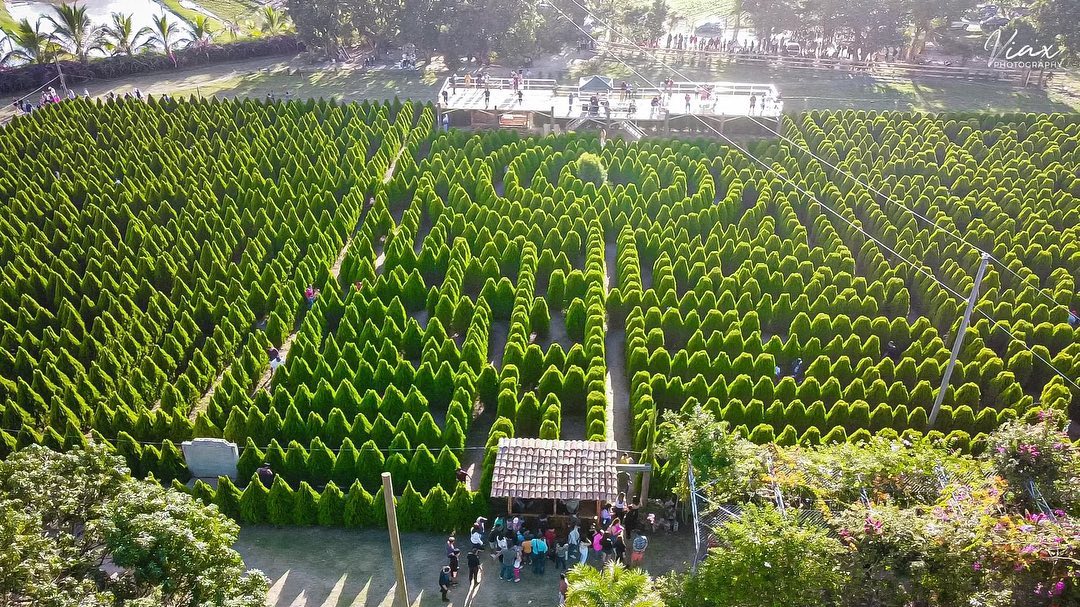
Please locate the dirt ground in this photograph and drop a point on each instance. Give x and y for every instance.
(319, 567)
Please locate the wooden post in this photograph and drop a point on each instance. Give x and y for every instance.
(643, 497)
(553, 119)
(401, 592)
(509, 505)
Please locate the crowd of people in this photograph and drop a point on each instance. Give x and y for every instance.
(48, 96)
(518, 545)
(779, 46)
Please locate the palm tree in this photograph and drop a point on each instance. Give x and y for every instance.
(74, 30)
(612, 586)
(164, 34)
(273, 21)
(29, 44)
(202, 33)
(121, 37)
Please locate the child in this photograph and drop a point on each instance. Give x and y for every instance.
(526, 547)
(517, 565)
(561, 549)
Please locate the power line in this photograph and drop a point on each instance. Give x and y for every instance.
(813, 198)
(959, 237)
(1023, 280)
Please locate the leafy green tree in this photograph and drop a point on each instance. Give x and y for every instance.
(324, 25)
(121, 38)
(331, 506)
(73, 29)
(30, 44)
(61, 515)
(767, 560)
(590, 169)
(612, 586)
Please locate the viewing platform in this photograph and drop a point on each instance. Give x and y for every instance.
(597, 102)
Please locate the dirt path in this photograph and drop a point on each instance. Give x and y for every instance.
(618, 389)
(335, 271)
(320, 567)
(616, 414)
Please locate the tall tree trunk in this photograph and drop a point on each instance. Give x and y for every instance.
(913, 50)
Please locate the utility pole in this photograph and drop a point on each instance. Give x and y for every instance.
(401, 592)
(60, 73)
(959, 339)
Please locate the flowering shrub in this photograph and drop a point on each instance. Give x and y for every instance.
(1039, 453)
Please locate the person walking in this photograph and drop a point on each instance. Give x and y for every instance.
(753, 102)
(638, 546)
(451, 546)
(618, 548)
(444, 583)
(620, 506)
(454, 566)
(561, 550)
(487, 98)
(473, 561)
(517, 564)
(583, 550)
(266, 475)
(563, 589)
(598, 544)
(506, 560)
(476, 539)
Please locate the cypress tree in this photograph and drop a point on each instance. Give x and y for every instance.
(306, 510)
(320, 463)
(435, 516)
(253, 503)
(445, 471)
(227, 497)
(410, 509)
(296, 463)
(280, 503)
(331, 507)
(370, 464)
(398, 466)
(345, 464)
(422, 470)
(359, 507)
(335, 429)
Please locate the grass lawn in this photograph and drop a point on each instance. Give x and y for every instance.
(231, 10)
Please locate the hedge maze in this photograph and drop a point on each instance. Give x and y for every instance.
(153, 253)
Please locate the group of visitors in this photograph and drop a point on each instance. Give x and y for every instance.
(516, 545)
(48, 96)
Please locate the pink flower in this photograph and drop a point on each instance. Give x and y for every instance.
(1018, 567)
(1039, 589)
(1000, 449)
(1057, 589)
(1027, 549)
(977, 566)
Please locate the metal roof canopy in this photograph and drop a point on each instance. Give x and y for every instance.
(531, 468)
(595, 84)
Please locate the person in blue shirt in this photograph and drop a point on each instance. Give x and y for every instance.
(539, 548)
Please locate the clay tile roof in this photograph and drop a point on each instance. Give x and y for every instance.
(531, 468)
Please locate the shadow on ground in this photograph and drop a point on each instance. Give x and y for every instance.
(318, 567)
